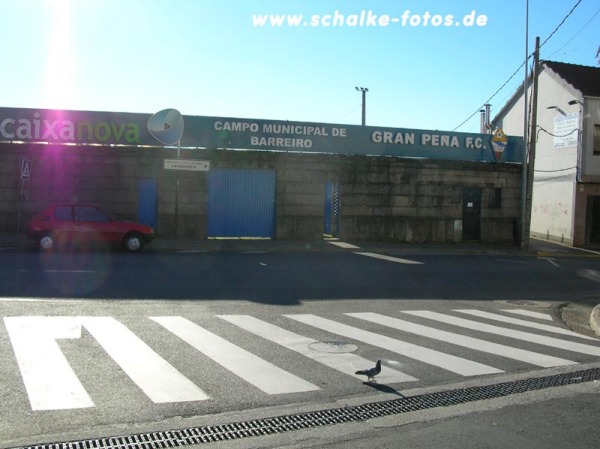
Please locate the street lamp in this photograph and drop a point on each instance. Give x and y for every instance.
(558, 109)
(364, 91)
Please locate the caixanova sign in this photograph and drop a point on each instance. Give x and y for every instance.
(66, 127)
(113, 128)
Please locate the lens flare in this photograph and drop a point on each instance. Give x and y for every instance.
(59, 67)
(77, 271)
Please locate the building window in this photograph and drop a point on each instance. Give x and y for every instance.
(495, 198)
(596, 139)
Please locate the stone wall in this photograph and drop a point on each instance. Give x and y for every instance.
(421, 201)
(382, 198)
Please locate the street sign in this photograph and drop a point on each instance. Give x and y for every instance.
(26, 169)
(186, 164)
(25, 176)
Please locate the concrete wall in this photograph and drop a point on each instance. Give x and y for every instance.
(555, 178)
(583, 224)
(590, 161)
(552, 212)
(383, 198)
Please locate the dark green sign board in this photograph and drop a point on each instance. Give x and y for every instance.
(111, 128)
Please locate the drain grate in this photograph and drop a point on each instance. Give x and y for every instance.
(288, 423)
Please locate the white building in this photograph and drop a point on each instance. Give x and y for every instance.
(566, 190)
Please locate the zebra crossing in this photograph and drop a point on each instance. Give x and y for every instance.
(51, 383)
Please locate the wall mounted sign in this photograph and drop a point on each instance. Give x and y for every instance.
(566, 129)
(115, 128)
(186, 164)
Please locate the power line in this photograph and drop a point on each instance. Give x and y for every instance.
(493, 95)
(520, 67)
(561, 23)
(578, 32)
(540, 129)
(554, 171)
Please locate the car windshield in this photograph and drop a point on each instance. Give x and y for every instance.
(300, 223)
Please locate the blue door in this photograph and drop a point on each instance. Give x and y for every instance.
(332, 210)
(148, 202)
(241, 203)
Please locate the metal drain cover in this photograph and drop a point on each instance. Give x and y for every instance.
(193, 436)
(333, 347)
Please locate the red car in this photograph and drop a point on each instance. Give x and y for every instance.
(64, 223)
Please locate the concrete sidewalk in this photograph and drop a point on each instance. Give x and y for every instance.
(581, 315)
(537, 247)
(186, 244)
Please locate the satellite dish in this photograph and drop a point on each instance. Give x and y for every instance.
(166, 126)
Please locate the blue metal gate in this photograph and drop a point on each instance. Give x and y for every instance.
(241, 203)
(332, 210)
(148, 202)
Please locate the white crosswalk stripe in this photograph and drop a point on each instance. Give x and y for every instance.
(462, 340)
(511, 333)
(346, 363)
(449, 362)
(530, 324)
(260, 373)
(530, 313)
(160, 381)
(51, 383)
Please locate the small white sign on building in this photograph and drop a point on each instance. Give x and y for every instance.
(186, 164)
(566, 130)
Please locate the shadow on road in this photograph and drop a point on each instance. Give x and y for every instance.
(383, 388)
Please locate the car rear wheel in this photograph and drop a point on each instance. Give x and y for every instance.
(46, 242)
(133, 242)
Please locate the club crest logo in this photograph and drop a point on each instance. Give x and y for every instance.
(499, 141)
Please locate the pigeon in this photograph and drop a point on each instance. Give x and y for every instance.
(371, 372)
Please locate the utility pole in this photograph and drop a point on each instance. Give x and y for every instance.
(523, 238)
(364, 91)
(532, 141)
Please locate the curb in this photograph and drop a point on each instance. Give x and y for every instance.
(595, 320)
(549, 255)
(582, 318)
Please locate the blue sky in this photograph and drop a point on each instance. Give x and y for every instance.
(207, 57)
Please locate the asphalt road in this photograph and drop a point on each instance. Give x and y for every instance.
(217, 325)
(290, 277)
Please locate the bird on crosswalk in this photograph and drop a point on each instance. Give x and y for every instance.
(371, 372)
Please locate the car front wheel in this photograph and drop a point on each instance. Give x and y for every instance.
(133, 242)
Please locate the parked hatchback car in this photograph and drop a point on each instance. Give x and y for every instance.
(64, 223)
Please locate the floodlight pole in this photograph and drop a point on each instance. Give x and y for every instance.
(364, 91)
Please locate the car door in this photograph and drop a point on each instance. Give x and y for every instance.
(63, 223)
(93, 224)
